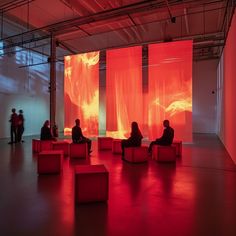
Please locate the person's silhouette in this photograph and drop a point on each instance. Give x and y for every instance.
(14, 125)
(46, 132)
(20, 129)
(167, 137)
(135, 138)
(78, 137)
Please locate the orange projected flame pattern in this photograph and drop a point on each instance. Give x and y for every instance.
(123, 91)
(81, 92)
(170, 88)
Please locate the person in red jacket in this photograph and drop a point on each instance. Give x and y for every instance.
(14, 125)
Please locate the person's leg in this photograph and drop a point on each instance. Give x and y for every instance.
(15, 134)
(19, 134)
(22, 131)
(123, 145)
(11, 135)
(150, 146)
(89, 142)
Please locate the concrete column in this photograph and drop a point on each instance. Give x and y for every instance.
(53, 81)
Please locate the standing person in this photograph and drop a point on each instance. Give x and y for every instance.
(14, 125)
(46, 132)
(78, 137)
(167, 137)
(55, 131)
(135, 138)
(20, 129)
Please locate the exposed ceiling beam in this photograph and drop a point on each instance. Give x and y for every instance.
(67, 47)
(172, 18)
(14, 4)
(125, 33)
(186, 21)
(66, 26)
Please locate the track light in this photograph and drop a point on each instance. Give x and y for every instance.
(173, 19)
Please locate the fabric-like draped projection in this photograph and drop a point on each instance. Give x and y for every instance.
(170, 88)
(123, 91)
(81, 92)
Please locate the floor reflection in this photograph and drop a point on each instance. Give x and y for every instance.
(91, 219)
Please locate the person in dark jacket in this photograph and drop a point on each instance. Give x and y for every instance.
(135, 138)
(46, 132)
(78, 137)
(20, 129)
(14, 125)
(167, 137)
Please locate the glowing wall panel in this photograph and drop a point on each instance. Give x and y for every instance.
(170, 88)
(123, 90)
(81, 92)
(228, 85)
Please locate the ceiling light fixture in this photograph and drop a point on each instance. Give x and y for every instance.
(172, 18)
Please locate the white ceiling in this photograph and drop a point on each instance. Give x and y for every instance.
(88, 25)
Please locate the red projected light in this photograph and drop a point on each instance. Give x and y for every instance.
(81, 92)
(170, 88)
(167, 95)
(123, 91)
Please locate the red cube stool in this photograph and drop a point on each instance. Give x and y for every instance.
(164, 153)
(136, 154)
(116, 146)
(45, 145)
(36, 145)
(50, 162)
(61, 145)
(91, 183)
(105, 143)
(78, 150)
(178, 146)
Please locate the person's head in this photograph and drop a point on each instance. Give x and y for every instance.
(13, 110)
(166, 123)
(134, 127)
(77, 122)
(21, 111)
(46, 123)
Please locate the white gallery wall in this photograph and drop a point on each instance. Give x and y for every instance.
(226, 97)
(26, 88)
(204, 96)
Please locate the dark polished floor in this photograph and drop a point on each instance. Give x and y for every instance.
(195, 197)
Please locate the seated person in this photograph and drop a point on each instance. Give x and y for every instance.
(135, 138)
(167, 137)
(78, 137)
(46, 133)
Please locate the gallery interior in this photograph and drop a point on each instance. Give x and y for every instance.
(110, 63)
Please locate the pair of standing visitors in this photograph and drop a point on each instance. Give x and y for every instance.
(17, 126)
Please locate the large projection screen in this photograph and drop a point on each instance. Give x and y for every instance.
(81, 92)
(170, 88)
(123, 90)
(167, 91)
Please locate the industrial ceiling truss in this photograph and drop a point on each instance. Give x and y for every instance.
(82, 26)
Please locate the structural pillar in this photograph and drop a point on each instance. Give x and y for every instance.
(52, 85)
